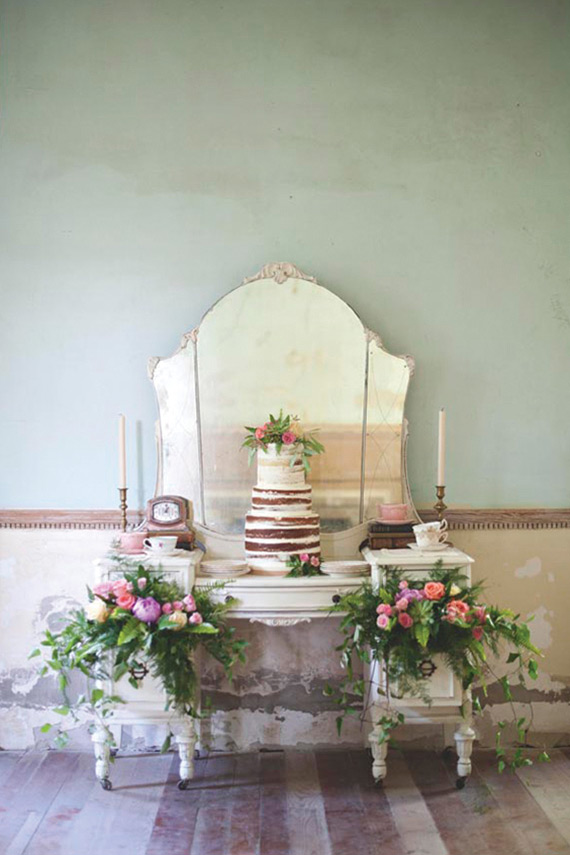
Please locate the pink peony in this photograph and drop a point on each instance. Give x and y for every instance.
(141, 583)
(126, 601)
(405, 620)
(288, 437)
(177, 605)
(196, 618)
(103, 589)
(480, 613)
(315, 561)
(382, 621)
(167, 608)
(189, 603)
(259, 433)
(304, 556)
(477, 633)
(384, 609)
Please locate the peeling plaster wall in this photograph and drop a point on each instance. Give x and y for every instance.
(277, 697)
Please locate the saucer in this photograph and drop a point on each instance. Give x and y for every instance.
(395, 522)
(225, 568)
(345, 568)
(437, 547)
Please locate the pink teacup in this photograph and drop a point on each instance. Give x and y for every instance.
(392, 512)
(132, 542)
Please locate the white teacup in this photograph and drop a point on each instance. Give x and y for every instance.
(160, 545)
(430, 534)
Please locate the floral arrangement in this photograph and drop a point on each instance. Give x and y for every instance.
(133, 626)
(407, 622)
(283, 430)
(304, 565)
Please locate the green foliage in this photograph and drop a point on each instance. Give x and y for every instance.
(121, 645)
(445, 620)
(306, 444)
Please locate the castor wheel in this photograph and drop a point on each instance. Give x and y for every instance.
(378, 782)
(106, 784)
(114, 752)
(196, 754)
(184, 784)
(460, 783)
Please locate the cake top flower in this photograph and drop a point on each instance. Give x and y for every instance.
(283, 431)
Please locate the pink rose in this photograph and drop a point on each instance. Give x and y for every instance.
(477, 633)
(141, 583)
(315, 561)
(189, 603)
(177, 605)
(196, 618)
(119, 587)
(167, 608)
(384, 609)
(304, 556)
(126, 601)
(382, 621)
(403, 584)
(288, 437)
(103, 589)
(259, 433)
(405, 620)
(402, 604)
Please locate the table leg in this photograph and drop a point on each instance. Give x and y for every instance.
(102, 749)
(185, 738)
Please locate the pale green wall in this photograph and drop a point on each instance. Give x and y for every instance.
(412, 154)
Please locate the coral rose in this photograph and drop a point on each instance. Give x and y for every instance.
(457, 609)
(196, 618)
(126, 601)
(97, 611)
(259, 433)
(179, 618)
(405, 620)
(434, 590)
(288, 437)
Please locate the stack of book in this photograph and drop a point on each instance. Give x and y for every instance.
(390, 535)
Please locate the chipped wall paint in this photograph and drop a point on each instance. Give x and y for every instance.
(277, 698)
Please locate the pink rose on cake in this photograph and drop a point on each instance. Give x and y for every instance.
(259, 433)
(288, 437)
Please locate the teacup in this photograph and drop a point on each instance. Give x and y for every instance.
(132, 542)
(160, 545)
(392, 512)
(430, 534)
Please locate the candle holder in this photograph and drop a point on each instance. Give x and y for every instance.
(123, 506)
(440, 507)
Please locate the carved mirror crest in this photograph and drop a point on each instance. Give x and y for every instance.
(281, 340)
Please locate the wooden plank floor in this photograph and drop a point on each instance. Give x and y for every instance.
(282, 803)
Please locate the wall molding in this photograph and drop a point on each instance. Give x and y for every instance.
(475, 519)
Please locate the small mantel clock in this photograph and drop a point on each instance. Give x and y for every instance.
(169, 515)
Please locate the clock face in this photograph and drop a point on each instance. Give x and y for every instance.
(166, 512)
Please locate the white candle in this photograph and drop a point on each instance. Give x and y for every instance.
(441, 450)
(122, 453)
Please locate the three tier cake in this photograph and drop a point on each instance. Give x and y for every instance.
(280, 523)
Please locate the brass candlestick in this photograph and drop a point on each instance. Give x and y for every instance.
(440, 506)
(123, 505)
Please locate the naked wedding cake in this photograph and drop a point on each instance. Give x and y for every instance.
(280, 523)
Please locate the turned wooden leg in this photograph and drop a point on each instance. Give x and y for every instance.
(102, 751)
(379, 751)
(464, 737)
(185, 738)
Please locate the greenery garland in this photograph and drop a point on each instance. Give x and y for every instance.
(406, 622)
(138, 624)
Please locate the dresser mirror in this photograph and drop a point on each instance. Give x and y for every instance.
(282, 341)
